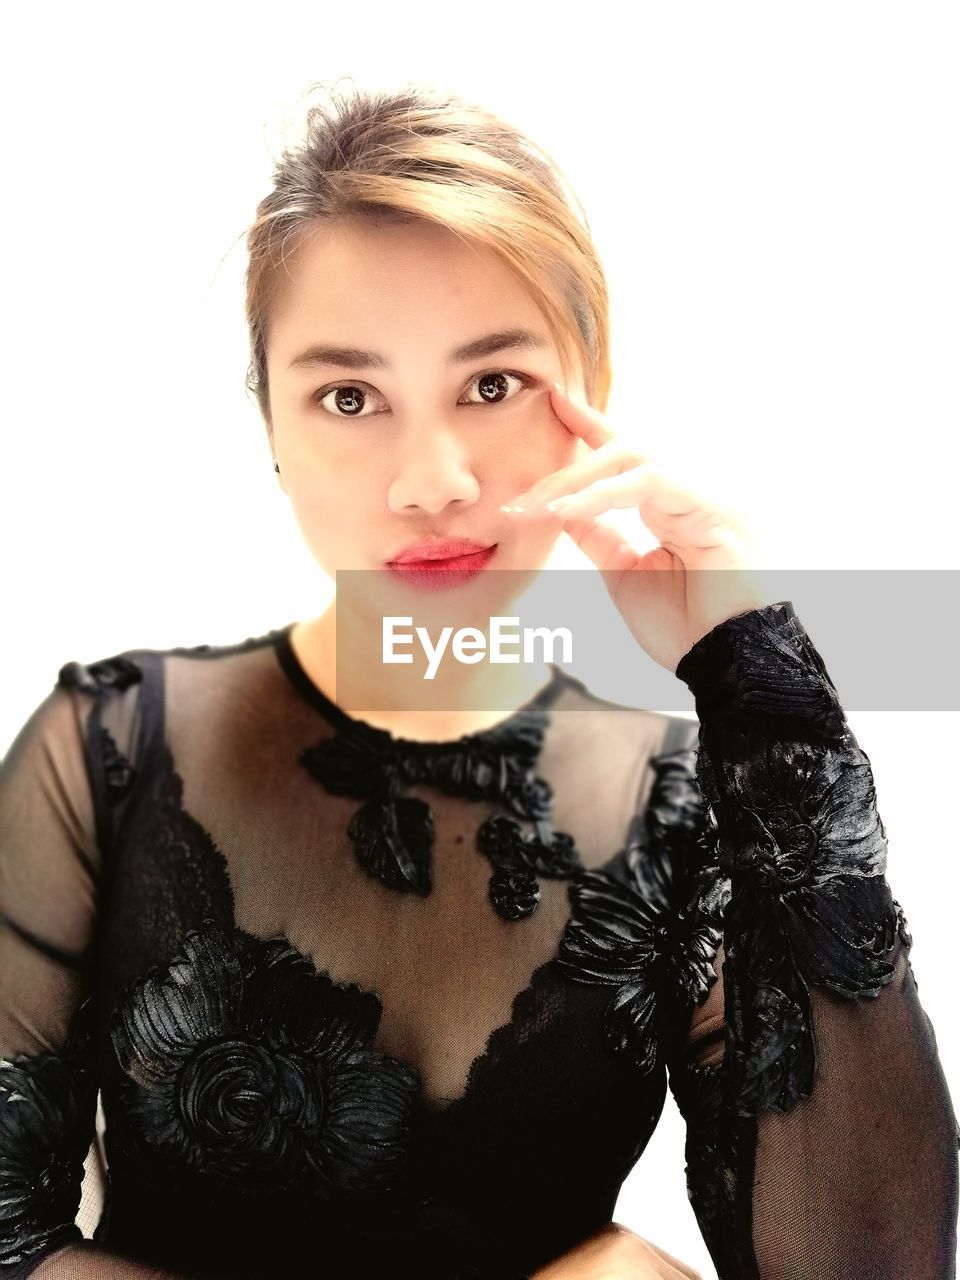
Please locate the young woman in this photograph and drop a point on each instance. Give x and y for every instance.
(401, 993)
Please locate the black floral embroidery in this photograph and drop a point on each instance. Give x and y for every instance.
(108, 673)
(794, 825)
(48, 1105)
(762, 666)
(800, 831)
(519, 857)
(118, 673)
(717, 1179)
(393, 834)
(652, 932)
(118, 772)
(698, 1091)
(902, 929)
(252, 1068)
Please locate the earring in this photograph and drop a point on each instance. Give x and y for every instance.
(276, 465)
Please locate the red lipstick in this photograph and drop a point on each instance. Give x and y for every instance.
(445, 563)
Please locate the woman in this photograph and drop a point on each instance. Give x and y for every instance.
(400, 993)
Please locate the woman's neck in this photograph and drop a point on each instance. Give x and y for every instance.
(465, 698)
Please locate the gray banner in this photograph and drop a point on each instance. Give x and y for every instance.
(888, 638)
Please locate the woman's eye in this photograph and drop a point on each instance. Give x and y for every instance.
(350, 398)
(493, 383)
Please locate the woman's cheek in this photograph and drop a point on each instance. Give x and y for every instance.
(562, 450)
(550, 446)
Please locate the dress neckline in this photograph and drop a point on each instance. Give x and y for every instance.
(529, 712)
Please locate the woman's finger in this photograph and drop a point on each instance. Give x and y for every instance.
(610, 459)
(581, 419)
(604, 546)
(678, 517)
(617, 491)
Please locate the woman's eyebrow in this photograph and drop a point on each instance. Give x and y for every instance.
(356, 358)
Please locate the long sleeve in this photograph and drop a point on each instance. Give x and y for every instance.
(49, 874)
(821, 1136)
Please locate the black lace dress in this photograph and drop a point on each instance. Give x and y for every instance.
(361, 1006)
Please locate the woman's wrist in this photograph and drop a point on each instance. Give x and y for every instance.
(763, 666)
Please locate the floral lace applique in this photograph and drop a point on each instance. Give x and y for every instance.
(119, 773)
(393, 834)
(793, 822)
(651, 932)
(48, 1104)
(95, 677)
(251, 1068)
(107, 673)
(716, 1143)
(801, 837)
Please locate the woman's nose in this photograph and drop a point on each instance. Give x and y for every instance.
(434, 473)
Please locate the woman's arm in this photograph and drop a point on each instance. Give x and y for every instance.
(50, 869)
(821, 1135)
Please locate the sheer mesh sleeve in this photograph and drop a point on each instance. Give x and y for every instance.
(821, 1136)
(49, 880)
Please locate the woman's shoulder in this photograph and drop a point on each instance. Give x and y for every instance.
(143, 688)
(124, 667)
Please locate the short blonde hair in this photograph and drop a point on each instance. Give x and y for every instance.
(416, 152)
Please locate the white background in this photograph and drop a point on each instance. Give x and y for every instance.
(774, 193)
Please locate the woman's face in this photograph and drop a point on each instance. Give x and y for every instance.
(423, 444)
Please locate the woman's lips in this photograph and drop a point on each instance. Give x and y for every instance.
(443, 573)
(438, 549)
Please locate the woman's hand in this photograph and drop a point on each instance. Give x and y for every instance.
(670, 610)
(616, 1253)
